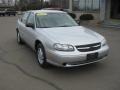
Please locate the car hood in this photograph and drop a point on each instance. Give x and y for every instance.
(76, 35)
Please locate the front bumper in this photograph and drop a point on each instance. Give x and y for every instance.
(76, 58)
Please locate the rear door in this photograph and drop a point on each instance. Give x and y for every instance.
(22, 25)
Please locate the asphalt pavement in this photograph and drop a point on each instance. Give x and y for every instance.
(19, 69)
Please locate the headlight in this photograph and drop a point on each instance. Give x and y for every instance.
(63, 47)
(104, 42)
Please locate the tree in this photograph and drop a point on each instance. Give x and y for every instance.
(30, 4)
(23, 4)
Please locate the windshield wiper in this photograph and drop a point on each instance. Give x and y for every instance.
(44, 27)
(64, 26)
(67, 26)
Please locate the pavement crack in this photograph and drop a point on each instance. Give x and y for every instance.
(30, 75)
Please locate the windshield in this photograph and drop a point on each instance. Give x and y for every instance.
(49, 20)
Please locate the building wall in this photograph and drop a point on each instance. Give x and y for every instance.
(70, 4)
(86, 5)
(101, 15)
(107, 20)
(94, 12)
(102, 10)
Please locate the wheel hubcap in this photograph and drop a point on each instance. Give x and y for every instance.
(40, 56)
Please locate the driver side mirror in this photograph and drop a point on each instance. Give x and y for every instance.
(30, 25)
(78, 22)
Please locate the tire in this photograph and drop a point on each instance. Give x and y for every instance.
(41, 56)
(19, 40)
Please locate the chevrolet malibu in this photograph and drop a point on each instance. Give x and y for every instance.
(57, 39)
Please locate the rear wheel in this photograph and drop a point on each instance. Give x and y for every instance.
(41, 56)
(19, 40)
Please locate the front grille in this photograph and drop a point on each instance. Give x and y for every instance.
(89, 47)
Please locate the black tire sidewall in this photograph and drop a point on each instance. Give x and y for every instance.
(20, 42)
(44, 54)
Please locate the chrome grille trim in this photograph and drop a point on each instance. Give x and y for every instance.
(88, 47)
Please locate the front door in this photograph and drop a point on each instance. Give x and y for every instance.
(30, 32)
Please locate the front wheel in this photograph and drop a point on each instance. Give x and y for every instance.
(41, 56)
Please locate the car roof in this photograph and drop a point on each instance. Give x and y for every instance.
(46, 11)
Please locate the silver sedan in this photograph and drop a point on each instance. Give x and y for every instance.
(57, 39)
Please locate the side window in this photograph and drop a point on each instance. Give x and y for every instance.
(24, 18)
(31, 19)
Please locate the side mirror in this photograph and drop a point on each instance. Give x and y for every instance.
(30, 25)
(78, 22)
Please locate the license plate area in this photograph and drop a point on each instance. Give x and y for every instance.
(92, 56)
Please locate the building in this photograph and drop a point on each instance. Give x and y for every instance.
(105, 11)
(110, 12)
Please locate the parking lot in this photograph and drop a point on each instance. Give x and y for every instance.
(19, 69)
